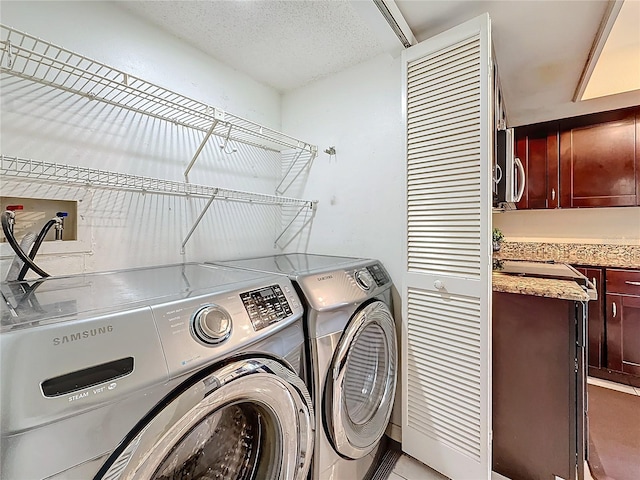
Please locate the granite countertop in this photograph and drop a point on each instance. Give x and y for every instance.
(539, 287)
(600, 255)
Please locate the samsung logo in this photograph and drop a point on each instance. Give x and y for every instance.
(326, 277)
(74, 337)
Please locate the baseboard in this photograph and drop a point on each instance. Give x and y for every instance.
(613, 376)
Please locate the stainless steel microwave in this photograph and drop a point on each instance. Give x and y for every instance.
(509, 175)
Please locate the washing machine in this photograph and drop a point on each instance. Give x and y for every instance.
(352, 349)
(168, 372)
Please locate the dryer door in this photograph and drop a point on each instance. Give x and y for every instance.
(361, 382)
(250, 419)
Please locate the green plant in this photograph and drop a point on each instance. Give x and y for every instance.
(497, 235)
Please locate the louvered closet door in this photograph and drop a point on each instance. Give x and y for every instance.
(447, 283)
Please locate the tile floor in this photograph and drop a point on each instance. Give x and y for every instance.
(408, 468)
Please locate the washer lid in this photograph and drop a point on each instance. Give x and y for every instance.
(52, 299)
(295, 264)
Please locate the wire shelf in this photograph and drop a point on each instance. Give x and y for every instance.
(27, 57)
(70, 174)
(40, 171)
(34, 59)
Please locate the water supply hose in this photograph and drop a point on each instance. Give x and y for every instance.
(7, 228)
(36, 245)
(16, 265)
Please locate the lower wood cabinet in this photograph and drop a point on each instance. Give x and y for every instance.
(614, 324)
(623, 321)
(596, 324)
(538, 402)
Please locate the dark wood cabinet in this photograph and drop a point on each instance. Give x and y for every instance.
(623, 321)
(596, 323)
(538, 387)
(598, 161)
(587, 161)
(537, 148)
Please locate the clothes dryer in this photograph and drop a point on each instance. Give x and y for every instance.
(169, 372)
(353, 351)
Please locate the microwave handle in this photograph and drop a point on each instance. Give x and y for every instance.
(498, 175)
(521, 174)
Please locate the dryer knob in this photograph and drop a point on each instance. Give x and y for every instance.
(364, 279)
(212, 324)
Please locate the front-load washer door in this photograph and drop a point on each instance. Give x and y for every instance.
(361, 382)
(250, 419)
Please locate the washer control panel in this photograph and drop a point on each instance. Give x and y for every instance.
(266, 306)
(211, 324)
(199, 330)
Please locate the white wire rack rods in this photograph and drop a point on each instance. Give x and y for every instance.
(56, 173)
(34, 59)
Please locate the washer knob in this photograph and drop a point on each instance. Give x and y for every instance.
(364, 279)
(212, 324)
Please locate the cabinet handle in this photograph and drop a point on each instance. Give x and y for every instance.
(615, 310)
(553, 194)
(629, 282)
(438, 285)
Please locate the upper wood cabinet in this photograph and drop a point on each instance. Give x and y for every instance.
(587, 161)
(599, 160)
(537, 148)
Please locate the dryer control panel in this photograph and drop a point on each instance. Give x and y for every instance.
(379, 274)
(266, 306)
(333, 289)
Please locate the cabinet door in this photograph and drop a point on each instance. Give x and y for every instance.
(623, 320)
(623, 333)
(534, 428)
(595, 324)
(537, 148)
(598, 161)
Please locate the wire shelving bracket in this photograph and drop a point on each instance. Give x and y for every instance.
(29, 57)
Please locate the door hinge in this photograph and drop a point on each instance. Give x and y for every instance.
(575, 365)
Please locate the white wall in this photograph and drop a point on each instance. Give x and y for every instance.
(360, 189)
(120, 229)
(614, 226)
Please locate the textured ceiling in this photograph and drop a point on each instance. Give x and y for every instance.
(283, 44)
(541, 46)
